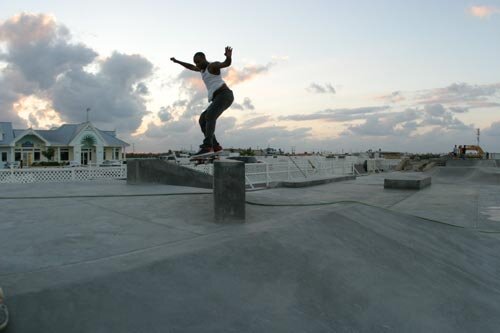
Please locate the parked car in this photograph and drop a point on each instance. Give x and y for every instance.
(12, 165)
(245, 159)
(74, 164)
(108, 163)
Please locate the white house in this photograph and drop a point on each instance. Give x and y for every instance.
(83, 143)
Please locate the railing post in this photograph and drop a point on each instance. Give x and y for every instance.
(267, 175)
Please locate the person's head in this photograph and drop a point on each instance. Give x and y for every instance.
(200, 60)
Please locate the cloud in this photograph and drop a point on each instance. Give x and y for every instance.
(13, 86)
(483, 11)
(493, 130)
(274, 136)
(246, 105)
(24, 29)
(435, 110)
(433, 141)
(193, 98)
(171, 128)
(253, 122)
(459, 109)
(142, 89)
(42, 61)
(340, 115)
(183, 133)
(235, 76)
(165, 114)
(473, 95)
(40, 49)
(109, 92)
(406, 123)
(462, 96)
(394, 97)
(373, 126)
(317, 88)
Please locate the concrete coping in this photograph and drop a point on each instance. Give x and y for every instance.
(411, 181)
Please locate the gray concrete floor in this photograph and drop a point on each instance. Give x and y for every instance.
(111, 257)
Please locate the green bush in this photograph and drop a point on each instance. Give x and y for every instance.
(46, 164)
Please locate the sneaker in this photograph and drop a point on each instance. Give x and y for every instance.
(218, 149)
(204, 151)
(4, 313)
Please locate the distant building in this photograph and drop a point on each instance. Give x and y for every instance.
(390, 155)
(82, 143)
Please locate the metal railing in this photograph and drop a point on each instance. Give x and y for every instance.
(268, 173)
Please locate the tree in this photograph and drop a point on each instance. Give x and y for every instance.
(49, 153)
(88, 141)
(247, 152)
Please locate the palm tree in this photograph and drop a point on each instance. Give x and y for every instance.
(88, 141)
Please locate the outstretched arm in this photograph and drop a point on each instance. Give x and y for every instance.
(216, 66)
(186, 65)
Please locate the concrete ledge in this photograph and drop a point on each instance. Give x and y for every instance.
(314, 181)
(407, 181)
(161, 172)
(229, 191)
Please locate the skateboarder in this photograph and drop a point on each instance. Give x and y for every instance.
(4, 313)
(219, 96)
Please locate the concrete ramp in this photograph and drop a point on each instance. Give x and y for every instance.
(471, 163)
(338, 269)
(161, 172)
(461, 175)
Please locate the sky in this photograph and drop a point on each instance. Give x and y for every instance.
(415, 76)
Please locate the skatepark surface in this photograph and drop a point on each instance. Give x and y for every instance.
(341, 257)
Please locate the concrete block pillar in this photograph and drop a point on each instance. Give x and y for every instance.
(229, 191)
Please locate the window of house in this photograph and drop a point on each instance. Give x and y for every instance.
(17, 156)
(104, 155)
(37, 155)
(4, 156)
(64, 156)
(117, 154)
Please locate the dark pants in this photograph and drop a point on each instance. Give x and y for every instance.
(222, 100)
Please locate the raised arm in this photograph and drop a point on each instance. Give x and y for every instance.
(216, 65)
(186, 65)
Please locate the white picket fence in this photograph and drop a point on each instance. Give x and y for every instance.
(53, 175)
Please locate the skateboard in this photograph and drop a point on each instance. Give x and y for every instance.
(205, 159)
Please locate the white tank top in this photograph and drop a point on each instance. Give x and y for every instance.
(213, 82)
